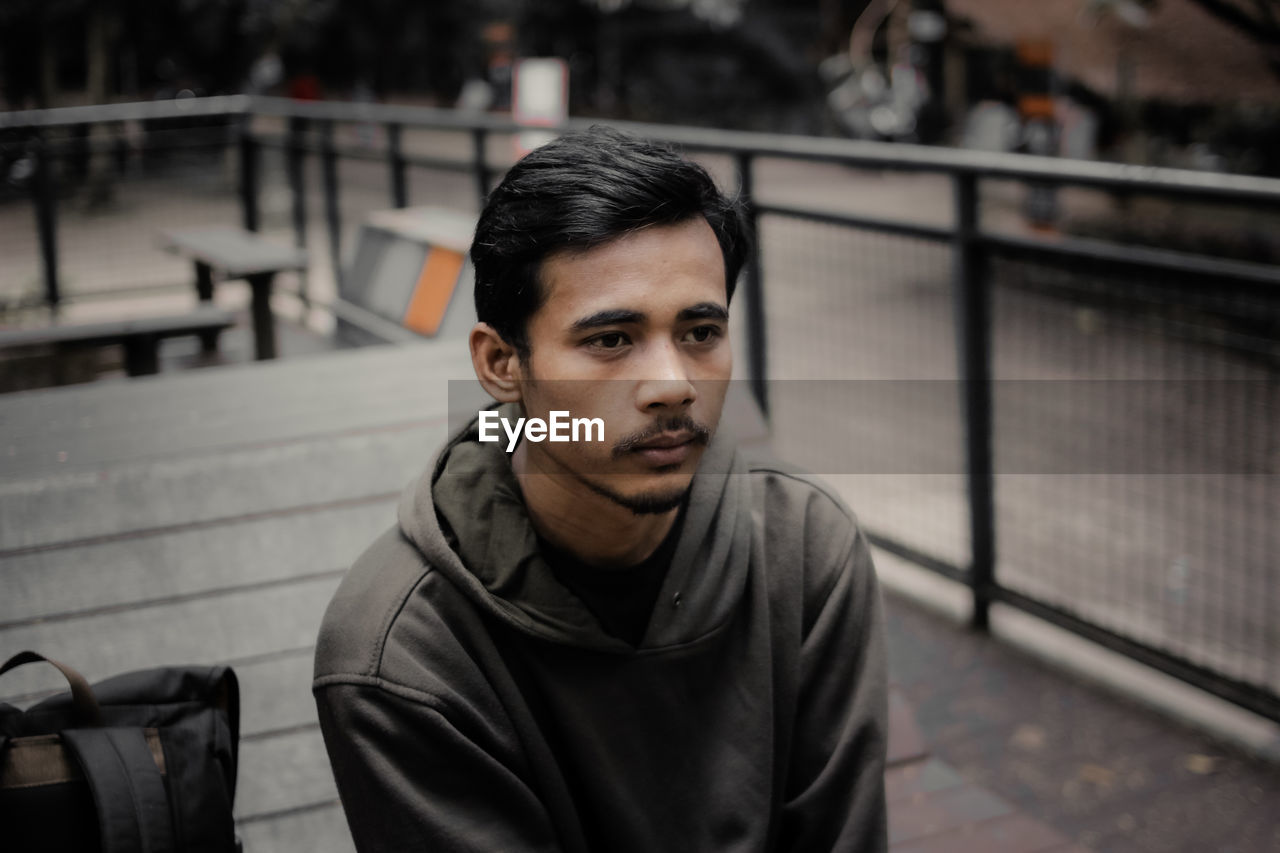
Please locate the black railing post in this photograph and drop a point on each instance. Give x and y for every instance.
(973, 326)
(329, 163)
(248, 176)
(295, 167)
(478, 137)
(44, 195)
(753, 284)
(395, 159)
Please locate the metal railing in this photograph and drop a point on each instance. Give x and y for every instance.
(1230, 306)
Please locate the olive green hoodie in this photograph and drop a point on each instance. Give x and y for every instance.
(469, 701)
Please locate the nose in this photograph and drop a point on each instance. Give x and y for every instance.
(666, 383)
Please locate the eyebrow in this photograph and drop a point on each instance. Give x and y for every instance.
(704, 311)
(615, 317)
(623, 316)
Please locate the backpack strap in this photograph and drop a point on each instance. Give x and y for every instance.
(128, 790)
(81, 693)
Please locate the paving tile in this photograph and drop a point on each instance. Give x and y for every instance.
(922, 777)
(925, 814)
(1013, 833)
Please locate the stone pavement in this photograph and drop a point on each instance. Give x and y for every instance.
(1098, 768)
(1012, 750)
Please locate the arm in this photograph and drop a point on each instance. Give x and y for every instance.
(412, 778)
(835, 787)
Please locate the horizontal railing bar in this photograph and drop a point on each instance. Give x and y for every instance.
(1116, 177)
(67, 148)
(1141, 257)
(1098, 251)
(376, 154)
(913, 555)
(1241, 693)
(136, 111)
(885, 226)
(897, 156)
(880, 155)
(420, 162)
(372, 113)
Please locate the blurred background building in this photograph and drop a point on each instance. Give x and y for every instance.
(1192, 83)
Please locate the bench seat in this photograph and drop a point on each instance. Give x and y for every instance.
(140, 336)
(222, 253)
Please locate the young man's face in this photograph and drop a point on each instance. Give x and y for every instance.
(634, 332)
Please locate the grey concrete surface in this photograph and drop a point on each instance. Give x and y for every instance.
(96, 513)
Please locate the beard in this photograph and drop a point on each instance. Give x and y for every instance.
(646, 503)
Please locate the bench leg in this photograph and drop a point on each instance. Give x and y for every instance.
(264, 324)
(141, 356)
(204, 282)
(209, 342)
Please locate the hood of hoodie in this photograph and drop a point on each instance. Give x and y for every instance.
(467, 517)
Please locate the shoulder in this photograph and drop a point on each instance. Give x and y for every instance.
(787, 495)
(359, 618)
(398, 624)
(811, 538)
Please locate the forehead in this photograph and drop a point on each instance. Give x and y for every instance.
(649, 270)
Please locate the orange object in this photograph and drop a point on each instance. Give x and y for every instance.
(1035, 53)
(434, 288)
(1035, 106)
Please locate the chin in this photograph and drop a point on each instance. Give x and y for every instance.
(650, 501)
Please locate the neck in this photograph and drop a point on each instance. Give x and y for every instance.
(574, 518)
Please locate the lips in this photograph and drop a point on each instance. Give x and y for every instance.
(668, 449)
(667, 439)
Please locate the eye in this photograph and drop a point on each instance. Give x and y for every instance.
(702, 334)
(609, 340)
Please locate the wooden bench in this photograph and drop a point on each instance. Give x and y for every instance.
(225, 253)
(140, 337)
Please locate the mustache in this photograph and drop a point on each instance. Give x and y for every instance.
(699, 433)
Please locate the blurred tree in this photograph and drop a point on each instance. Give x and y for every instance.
(29, 48)
(108, 48)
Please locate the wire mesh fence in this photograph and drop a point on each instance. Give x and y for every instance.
(863, 380)
(1136, 456)
(1128, 395)
(111, 188)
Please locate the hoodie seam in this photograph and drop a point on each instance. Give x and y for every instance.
(353, 679)
(389, 621)
(846, 552)
(842, 567)
(813, 483)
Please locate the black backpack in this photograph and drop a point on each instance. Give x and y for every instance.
(144, 761)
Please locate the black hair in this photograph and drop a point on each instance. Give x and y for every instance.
(578, 192)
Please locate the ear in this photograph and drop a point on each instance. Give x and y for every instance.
(496, 362)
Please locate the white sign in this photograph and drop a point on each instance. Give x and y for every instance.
(540, 96)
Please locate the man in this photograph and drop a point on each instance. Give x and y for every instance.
(636, 644)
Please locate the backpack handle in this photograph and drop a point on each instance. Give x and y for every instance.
(86, 704)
